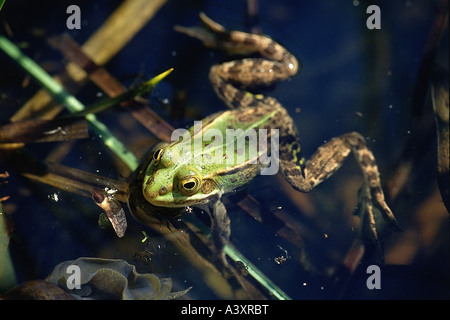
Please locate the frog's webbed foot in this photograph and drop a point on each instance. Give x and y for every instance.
(220, 230)
(212, 34)
(377, 221)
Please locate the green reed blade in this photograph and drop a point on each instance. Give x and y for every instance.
(107, 103)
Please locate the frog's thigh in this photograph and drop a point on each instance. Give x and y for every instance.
(329, 158)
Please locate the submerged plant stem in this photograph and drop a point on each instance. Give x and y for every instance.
(257, 274)
(235, 255)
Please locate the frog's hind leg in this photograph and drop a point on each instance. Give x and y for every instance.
(376, 217)
(214, 35)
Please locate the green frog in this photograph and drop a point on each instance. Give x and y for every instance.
(183, 174)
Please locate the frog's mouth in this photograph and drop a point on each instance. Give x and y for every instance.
(166, 197)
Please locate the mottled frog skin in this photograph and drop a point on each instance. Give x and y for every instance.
(172, 180)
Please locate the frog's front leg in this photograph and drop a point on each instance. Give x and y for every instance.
(376, 216)
(220, 229)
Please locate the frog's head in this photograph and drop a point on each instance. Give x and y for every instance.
(176, 183)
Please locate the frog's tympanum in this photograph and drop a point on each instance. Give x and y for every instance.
(183, 173)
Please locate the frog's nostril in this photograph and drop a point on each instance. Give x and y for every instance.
(162, 191)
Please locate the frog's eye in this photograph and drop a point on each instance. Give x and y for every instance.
(157, 155)
(188, 186)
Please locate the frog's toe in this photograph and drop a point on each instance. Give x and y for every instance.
(377, 221)
(211, 33)
(221, 260)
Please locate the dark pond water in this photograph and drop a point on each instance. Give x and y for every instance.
(353, 79)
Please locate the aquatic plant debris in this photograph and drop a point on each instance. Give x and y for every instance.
(69, 101)
(101, 279)
(112, 208)
(140, 90)
(40, 130)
